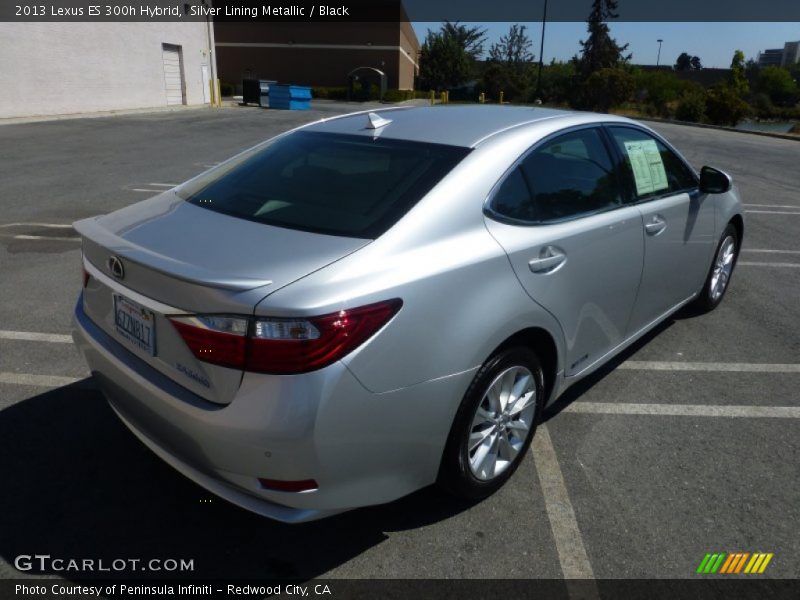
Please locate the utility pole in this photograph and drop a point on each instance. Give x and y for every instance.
(541, 56)
(658, 59)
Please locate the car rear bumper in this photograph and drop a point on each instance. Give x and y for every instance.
(361, 448)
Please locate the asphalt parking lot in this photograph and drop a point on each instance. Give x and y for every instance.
(687, 444)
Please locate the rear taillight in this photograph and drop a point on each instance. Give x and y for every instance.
(215, 339)
(283, 345)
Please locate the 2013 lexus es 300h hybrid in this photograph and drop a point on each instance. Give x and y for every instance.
(372, 303)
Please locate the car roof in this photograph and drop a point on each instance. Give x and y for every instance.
(455, 125)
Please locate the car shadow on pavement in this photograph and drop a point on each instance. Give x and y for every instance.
(581, 387)
(77, 484)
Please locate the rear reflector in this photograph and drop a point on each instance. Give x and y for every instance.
(305, 485)
(279, 345)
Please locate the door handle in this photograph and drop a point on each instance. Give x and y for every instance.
(656, 225)
(550, 258)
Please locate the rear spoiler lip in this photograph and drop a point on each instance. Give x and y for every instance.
(93, 231)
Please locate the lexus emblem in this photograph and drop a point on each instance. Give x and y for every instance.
(116, 268)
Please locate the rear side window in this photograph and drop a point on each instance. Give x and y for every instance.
(654, 168)
(347, 185)
(567, 177)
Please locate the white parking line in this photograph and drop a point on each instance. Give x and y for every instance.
(684, 410)
(773, 205)
(149, 191)
(167, 185)
(54, 225)
(569, 543)
(36, 380)
(772, 212)
(33, 336)
(765, 251)
(768, 264)
(651, 365)
(54, 238)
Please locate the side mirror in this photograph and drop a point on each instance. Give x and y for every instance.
(714, 181)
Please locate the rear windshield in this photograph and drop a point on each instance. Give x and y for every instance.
(347, 185)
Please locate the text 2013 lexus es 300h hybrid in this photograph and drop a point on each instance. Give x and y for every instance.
(372, 303)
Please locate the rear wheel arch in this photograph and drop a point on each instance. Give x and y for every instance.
(738, 222)
(542, 343)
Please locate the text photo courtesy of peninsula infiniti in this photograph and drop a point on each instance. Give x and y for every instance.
(373, 303)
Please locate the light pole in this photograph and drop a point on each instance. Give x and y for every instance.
(541, 56)
(658, 58)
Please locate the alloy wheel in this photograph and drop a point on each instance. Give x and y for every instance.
(723, 266)
(502, 423)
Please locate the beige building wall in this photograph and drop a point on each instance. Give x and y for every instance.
(67, 68)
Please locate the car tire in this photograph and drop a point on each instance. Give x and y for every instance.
(487, 441)
(721, 270)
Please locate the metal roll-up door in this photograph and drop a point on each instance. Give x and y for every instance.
(173, 76)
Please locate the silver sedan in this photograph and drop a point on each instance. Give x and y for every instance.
(370, 304)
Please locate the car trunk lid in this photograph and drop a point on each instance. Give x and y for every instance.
(179, 259)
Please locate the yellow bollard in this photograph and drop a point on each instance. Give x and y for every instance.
(501, 96)
(482, 98)
(447, 97)
(211, 103)
(219, 93)
(433, 97)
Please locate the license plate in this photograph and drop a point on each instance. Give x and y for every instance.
(135, 323)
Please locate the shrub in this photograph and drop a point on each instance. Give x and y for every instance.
(724, 106)
(557, 82)
(657, 89)
(692, 105)
(608, 87)
(393, 95)
(329, 93)
(763, 106)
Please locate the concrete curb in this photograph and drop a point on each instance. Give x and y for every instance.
(781, 136)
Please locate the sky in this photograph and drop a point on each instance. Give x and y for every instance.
(714, 43)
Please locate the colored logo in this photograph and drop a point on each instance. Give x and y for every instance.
(735, 563)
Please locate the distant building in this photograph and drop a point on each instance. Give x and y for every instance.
(770, 58)
(780, 57)
(315, 54)
(52, 68)
(791, 53)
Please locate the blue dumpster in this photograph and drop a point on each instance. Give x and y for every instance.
(289, 97)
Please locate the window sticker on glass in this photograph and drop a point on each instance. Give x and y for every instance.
(648, 168)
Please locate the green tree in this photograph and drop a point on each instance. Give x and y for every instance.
(469, 38)
(510, 66)
(777, 83)
(447, 56)
(737, 79)
(600, 50)
(696, 63)
(684, 62)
